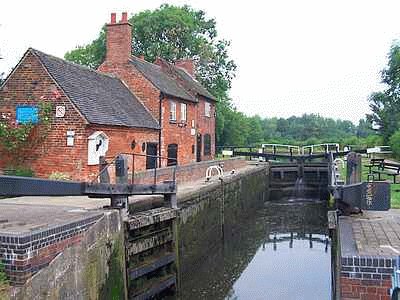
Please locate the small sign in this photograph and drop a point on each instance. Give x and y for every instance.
(60, 111)
(27, 114)
(227, 152)
(70, 138)
(193, 131)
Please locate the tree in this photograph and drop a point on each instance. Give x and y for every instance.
(173, 33)
(385, 105)
(394, 143)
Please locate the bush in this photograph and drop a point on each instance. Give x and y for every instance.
(59, 176)
(394, 143)
(19, 171)
(3, 276)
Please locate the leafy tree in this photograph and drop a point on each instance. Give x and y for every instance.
(174, 32)
(394, 143)
(385, 105)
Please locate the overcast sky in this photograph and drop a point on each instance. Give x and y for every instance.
(293, 57)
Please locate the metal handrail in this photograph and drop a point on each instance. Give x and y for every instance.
(106, 164)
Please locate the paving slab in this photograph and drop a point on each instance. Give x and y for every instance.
(373, 233)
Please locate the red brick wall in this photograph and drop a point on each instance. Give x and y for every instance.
(120, 140)
(26, 86)
(206, 125)
(173, 133)
(364, 289)
(53, 155)
(118, 39)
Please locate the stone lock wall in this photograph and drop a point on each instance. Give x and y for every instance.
(94, 268)
(216, 211)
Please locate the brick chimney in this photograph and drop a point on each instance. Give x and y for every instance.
(187, 64)
(119, 40)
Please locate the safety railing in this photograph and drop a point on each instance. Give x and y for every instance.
(280, 148)
(120, 162)
(318, 148)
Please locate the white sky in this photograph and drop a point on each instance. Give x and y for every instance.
(293, 57)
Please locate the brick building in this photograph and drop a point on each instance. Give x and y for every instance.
(184, 109)
(128, 105)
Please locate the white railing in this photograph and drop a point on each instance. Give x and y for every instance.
(310, 149)
(275, 147)
(209, 172)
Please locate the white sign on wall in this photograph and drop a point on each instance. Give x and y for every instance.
(60, 111)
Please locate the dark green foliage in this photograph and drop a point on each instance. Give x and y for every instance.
(3, 276)
(395, 143)
(19, 171)
(385, 105)
(307, 129)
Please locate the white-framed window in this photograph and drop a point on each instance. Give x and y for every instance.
(183, 112)
(172, 111)
(207, 109)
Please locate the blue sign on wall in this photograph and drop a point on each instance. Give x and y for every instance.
(27, 114)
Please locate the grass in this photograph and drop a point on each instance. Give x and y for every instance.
(394, 188)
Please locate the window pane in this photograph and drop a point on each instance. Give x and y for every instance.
(207, 109)
(183, 111)
(172, 111)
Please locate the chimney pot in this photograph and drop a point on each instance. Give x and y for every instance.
(124, 17)
(118, 40)
(113, 18)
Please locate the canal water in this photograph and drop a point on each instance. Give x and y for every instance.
(282, 252)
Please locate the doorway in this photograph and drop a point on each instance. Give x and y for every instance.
(198, 151)
(172, 155)
(151, 149)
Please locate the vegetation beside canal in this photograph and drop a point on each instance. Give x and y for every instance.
(3, 283)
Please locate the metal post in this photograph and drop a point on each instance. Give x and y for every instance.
(155, 174)
(104, 177)
(121, 177)
(133, 168)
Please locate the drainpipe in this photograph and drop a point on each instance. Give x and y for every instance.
(161, 97)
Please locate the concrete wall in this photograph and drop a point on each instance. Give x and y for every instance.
(92, 269)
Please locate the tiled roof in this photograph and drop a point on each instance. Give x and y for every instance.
(161, 80)
(102, 99)
(193, 83)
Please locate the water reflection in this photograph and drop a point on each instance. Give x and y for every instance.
(283, 252)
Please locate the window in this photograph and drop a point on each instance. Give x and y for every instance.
(183, 112)
(207, 109)
(172, 111)
(207, 144)
(172, 155)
